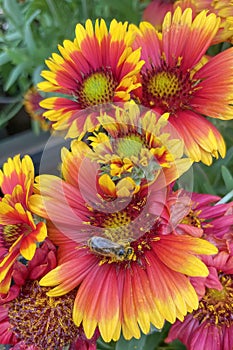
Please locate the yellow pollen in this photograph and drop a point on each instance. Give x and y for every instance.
(171, 89)
(43, 321)
(97, 88)
(193, 218)
(12, 232)
(216, 307)
(117, 227)
(117, 219)
(163, 84)
(156, 239)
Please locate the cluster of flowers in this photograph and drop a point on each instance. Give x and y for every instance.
(116, 244)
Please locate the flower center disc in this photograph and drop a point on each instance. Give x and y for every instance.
(96, 89)
(163, 85)
(170, 90)
(128, 147)
(216, 307)
(193, 219)
(12, 232)
(43, 321)
(117, 227)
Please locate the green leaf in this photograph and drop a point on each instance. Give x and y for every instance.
(9, 112)
(36, 77)
(14, 37)
(57, 11)
(18, 55)
(11, 9)
(15, 73)
(153, 340)
(202, 181)
(227, 178)
(4, 58)
(133, 344)
(29, 40)
(101, 345)
(176, 345)
(34, 6)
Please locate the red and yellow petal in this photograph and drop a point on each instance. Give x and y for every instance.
(73, 160)
(214, 98)
(201, 138)
(145, 306)
(127, 299)
(173, 292)
(149, 40)
(7, 263)
(114, 64)
(107, 185)
(6, 282)
(28, 243)
(16, 172)
(97, 303)
(178, 253)
(192, 37)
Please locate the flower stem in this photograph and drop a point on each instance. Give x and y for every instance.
(226, 198)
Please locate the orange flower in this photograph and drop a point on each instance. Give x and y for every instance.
(132, 145)
(98, 67)
(212, 321)
(19, 232)
(130, 266)
(31, 320)
(176, 80)
(32, 98)
(222, 9)
(157, 9)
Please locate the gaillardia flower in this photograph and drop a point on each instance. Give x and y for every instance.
(211, 325)
(132, 144)
(129, 270)
(98, 67)
(175, 79)
(31, 320)
(31, 102)
(19, 232)
(211, 220)
(222, 9)
(157, 9)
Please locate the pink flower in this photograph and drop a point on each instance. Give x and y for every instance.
(211, 325)
(30, 320)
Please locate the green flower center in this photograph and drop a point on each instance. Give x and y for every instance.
(163, 85)
(169, 89)
(128, 147)
(97, 88)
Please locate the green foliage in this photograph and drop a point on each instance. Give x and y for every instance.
(152, 341)
(216, 179)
